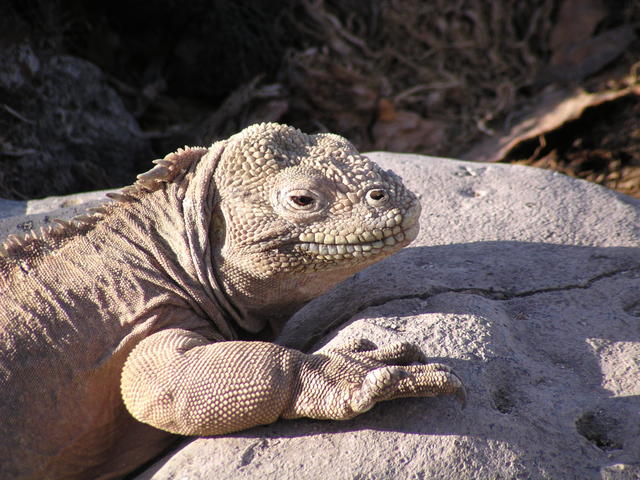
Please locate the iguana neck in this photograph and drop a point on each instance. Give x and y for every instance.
(166, 232)
(267, 304)
(181, 214)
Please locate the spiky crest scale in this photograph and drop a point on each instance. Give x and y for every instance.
(29, 246)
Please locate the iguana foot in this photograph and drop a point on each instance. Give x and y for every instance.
(395, 381)
(391, 382)
(342, 382)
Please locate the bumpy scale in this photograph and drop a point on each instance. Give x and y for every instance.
(142, 318)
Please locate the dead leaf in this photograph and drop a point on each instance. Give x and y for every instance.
(571, 29)
(405, 131)
(578, 60)
(554, 109)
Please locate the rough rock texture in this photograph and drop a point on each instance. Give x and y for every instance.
(63, 126)
(528, 284)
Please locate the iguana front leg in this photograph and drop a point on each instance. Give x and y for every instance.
(178, 381)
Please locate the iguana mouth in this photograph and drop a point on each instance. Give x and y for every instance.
(362, 243)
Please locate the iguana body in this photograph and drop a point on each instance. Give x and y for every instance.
(111, 326)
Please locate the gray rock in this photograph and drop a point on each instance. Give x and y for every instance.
(528, 284)
(20, 217)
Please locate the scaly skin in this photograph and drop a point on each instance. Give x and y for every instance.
(139, 321)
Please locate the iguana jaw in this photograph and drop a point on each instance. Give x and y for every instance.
(398, 232)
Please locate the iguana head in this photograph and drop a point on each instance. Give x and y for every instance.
(298, 213)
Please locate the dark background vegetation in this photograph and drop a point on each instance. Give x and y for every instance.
(91, 91)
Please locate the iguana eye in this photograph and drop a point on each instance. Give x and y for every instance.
(376, 196)
(301, 200)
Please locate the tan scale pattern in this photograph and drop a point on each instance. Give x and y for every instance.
(345, 230)
(231, 385)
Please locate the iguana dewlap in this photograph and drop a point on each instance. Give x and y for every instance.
(112, 325)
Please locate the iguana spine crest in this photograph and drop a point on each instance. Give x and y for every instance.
(50, 237)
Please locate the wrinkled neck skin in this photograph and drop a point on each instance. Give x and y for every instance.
(198, 205)
(168, 231)
(272, 300)
(268, 303)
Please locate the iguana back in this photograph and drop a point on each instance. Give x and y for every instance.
(75, 300)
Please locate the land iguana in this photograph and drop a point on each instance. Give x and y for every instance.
(149, 316)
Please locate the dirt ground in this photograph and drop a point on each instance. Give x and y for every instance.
(557, 81)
